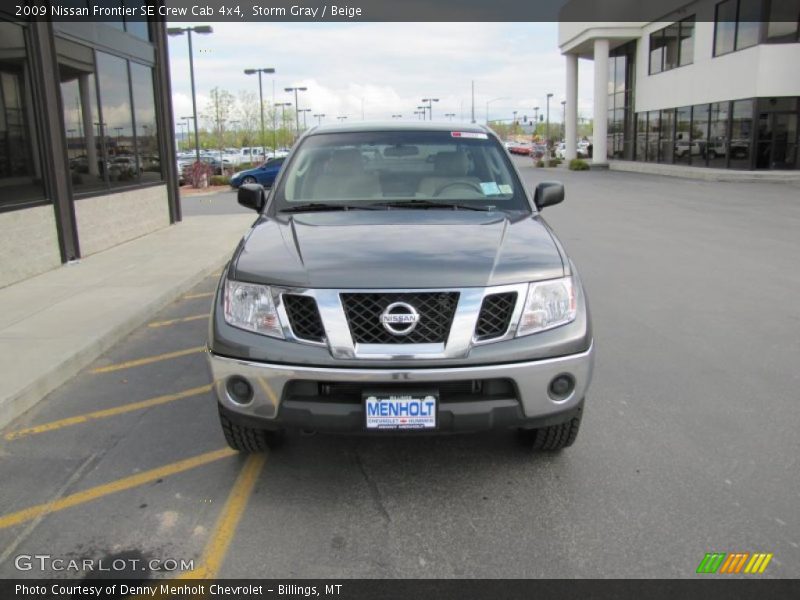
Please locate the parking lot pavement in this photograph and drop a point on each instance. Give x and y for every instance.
(219, 203)
(689, 443)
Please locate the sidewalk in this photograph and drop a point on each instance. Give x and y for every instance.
(55, 324)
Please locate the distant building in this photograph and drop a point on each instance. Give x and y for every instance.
(86, 145)
(704, 84)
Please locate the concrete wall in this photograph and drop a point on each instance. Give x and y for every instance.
(108, 220)
(28, 244)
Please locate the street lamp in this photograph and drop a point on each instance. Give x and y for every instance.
(421, 113)
(397, 116)
(283, 106)
(450, 115)
(270, 71)
(201, 29)
(430, 102)
(547, 127)
(341, 117)
(487, 106)
(296, 105)
(304, 111)
(319, 116)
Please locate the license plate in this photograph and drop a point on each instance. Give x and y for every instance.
(398, 411)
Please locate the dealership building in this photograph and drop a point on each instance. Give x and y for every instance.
(703, 84)
(85, 140)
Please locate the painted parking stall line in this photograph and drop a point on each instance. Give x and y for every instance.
(147, 360)
(170, 322)
(106, 413)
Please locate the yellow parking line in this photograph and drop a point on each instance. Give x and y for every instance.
(108, 412)
(147, 360)
(225, 528)
(112, 487)
(199, 295)
(167, 323)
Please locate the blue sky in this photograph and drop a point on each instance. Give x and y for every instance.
(390, 66)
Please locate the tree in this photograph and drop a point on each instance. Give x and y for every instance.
(218, 111)
(247, 111)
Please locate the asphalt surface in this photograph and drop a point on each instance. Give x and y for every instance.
(689, 443)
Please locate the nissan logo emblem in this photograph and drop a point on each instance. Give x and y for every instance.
(399, 318)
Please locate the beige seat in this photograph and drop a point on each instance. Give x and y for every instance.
(448, 168)
(344, 177)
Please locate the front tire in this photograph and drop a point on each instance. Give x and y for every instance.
(248, 439)
(553, 437)
(249, 179)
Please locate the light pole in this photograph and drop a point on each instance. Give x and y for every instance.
(341, 117)
(487, 106)
(318, 117)
(547, 127)
(304, 111)
(202, 29)
(181, 125)
(296, 106)
(268, 70)
(283, 106)
(421, 114)
(397, 116)
(563, 119)
(450, 116)
(430, 102)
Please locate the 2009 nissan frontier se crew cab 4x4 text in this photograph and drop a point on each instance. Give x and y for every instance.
(400, 279)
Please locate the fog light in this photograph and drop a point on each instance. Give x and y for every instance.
(239, 390)
(561, 387)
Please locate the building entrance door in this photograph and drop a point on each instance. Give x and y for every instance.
(777, 140)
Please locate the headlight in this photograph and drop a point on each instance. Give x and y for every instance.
(235, 175)
(548, 304)
(250, 306)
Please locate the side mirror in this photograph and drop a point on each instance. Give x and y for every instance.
(548, 193)
(251, 195)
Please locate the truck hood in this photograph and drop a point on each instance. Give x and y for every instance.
(397, 249)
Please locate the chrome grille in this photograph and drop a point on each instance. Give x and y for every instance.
(304, 317)
(495, 315)
(436, 311)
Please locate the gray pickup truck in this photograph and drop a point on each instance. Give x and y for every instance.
(400, 279)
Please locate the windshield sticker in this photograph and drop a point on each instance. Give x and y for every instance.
(490, 188)
(505, 188)
(473, 135)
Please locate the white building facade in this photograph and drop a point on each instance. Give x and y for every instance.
(707, 83)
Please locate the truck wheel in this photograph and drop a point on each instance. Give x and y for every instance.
(248, 439)
(554, 437)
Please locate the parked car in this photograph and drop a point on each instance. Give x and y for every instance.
(264, 174)
(400, 296)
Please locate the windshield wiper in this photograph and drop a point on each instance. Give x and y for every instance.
(416, 203)
(322, 206)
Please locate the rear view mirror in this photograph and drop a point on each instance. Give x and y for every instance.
(251, 195)
(399, 151)
(548, 193)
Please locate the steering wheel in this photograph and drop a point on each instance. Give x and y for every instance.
(465, 184)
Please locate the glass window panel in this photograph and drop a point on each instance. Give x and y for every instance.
(20, 168)
(137, 26)
(783, 20)
(683, 124)
(641, 136)
(687, 42)
(671, 46)
(699, 134)
(749, 26)
(144, 106)
(117, 126)
(718, 135)
(653, 129)
(619, 77)
(612, 69)
(667, 133)
(725, 27)
(781, 104)
(741, 133)
(656, 52)
(112, 21)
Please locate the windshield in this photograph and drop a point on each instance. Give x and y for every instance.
(401, 166)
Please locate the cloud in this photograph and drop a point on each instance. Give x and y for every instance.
(388, 66)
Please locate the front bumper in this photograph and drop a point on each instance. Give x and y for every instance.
(273, 406)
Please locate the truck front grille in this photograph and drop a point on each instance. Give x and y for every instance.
(304, 317)
(495, 315)
(435, 309)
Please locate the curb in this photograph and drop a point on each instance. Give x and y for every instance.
(16, 404)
